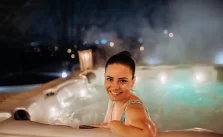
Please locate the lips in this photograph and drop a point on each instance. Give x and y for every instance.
(115, 93)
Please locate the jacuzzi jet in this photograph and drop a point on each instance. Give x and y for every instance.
(21, 114)
(90, 77)
(50, 94)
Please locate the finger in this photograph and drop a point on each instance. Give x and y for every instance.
(104, 125)
(96, 125)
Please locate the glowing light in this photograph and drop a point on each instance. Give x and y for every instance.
(103, 41)
(112, 44)
(96, 41)
(165, 31)
(163, 78)
(64, 75)
(69, 50)
(56, 48)
(199, 77)
(86, 56)
(170, 35)
(72, 56)
(219, 58)
(140, 40)
(85, 59)
(141, 48)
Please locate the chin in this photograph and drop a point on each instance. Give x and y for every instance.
(115, 98)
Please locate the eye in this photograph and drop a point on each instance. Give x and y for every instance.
(123, 81)
(109, 79)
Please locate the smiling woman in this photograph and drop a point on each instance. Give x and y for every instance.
(126, 115)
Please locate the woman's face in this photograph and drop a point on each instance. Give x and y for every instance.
(118, 81)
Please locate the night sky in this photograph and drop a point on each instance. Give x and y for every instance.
(170, 31)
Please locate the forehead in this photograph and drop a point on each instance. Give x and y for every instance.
(118, 70)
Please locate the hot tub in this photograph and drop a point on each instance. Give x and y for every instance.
(4, 116)
(183, 101)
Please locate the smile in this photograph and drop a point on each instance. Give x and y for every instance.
(115, 93)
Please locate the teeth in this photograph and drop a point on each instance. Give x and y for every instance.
(115, 93)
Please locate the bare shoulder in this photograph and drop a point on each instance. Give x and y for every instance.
(136, 108)
(136, 116)
(136, 111)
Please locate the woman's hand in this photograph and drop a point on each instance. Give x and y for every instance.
(103, 125)
(107, 124)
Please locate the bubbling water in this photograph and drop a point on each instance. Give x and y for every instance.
(72, 104)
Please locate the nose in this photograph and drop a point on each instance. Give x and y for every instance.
(114, 86)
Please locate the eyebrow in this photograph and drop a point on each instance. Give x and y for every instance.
(123, 78)
(118, 78)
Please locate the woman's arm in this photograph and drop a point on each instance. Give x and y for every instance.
(137, 124)
(108, 113)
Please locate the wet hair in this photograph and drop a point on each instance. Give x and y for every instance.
(123, 58)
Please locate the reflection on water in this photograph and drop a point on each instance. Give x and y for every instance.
(178, 103)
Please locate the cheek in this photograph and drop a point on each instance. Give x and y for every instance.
(106, 84)
(126, 86)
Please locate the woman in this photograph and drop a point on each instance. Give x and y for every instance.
(126, 115)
